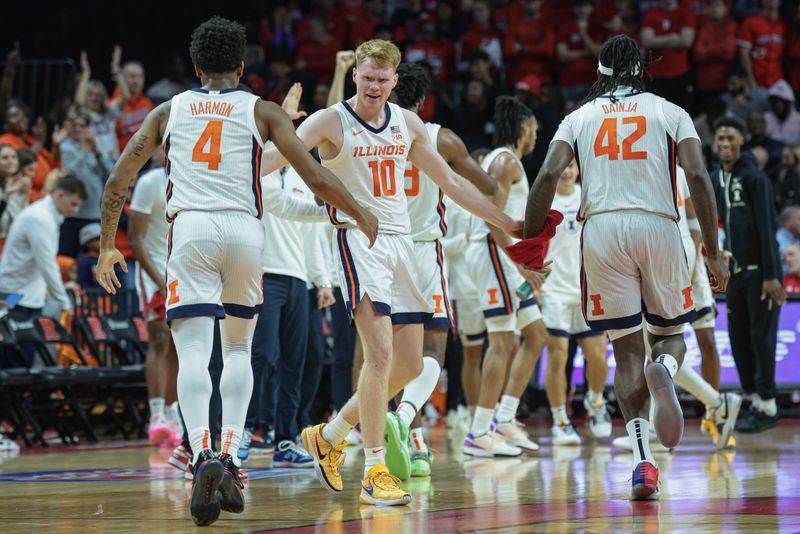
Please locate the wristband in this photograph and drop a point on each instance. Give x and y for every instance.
(693, 225)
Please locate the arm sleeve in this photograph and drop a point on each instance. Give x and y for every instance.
(288, 206)
(44, 244)
(315, 256)
(764, 213)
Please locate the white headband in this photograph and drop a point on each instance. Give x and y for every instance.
(608, 71)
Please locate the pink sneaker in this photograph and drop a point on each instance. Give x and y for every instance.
(159, 433)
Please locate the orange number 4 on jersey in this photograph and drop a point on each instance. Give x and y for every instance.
(606, 144)
(211, 135)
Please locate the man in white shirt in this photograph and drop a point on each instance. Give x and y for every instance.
(28, 264)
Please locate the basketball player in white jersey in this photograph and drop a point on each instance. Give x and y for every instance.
(722, 409)
(426, 208)
(147, 235)
(497, 278)
(366, 141)
(626, 142)
(560, 298)
(213, 138)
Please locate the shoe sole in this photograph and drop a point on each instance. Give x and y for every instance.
(205, 505)
(318, 471)
(645, 492)
(733, 405)
(366, 498)
(525, 447)
(232, 498)
(293, 465)
(477, 452)
(668, 420)
(397, 458)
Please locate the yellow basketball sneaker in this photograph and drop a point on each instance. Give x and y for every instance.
(327, 458)
(382, 488)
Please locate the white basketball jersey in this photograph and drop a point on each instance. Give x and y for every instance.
(683, 194)
(371, 164)
(517, 195)
(426, 205)
(626, 152)
(148, 197)
(564, 283)
(213, 151)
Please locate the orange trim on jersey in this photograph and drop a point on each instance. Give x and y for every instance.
(673, 174)
(498, 271)
(440, 261)
(584, 292)
(257, 178)
(440, 209)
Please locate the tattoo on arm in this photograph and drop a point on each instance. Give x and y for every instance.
(138, 148)
(113, 202)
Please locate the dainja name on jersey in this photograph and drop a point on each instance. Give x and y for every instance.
(620, 107)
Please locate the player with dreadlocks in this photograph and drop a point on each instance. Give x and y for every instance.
(626, 142)
(496, 278)
(426, 208)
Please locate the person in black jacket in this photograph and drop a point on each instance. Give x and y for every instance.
(746, 207)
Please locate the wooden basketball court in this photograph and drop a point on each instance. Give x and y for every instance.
(121, 487)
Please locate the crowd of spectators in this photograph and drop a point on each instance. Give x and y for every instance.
(715, 58)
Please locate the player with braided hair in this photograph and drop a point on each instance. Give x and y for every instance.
(627, 143)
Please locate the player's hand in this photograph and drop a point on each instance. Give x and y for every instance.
(773, 289)
(514, 228)
(534, 278)
(104, 273)
(718, 273)
(345, 59)
(325, 297)
(292, 102)
(368, 224)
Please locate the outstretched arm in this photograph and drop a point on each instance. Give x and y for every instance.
(322, 182)
(540, 198)
(424, 156)
(133, 158)
(453, 150)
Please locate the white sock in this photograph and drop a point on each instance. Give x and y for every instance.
(638, 431)
(472, 410)
(372, 457)
(418, 391)
(407, 412)
(481, 422)
(769, 407)
(418, 441)
(199, 439)
(670, 363)
(194, 337)
(174, 412)
(231, 438)
(559, 414)
(236, 381)
(336, 431)
(156, 406)
(758, 404)
(508, 409)
(594, 397)
(691, 381)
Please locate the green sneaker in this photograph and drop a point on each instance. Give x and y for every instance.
(421, 463)
(395, 436)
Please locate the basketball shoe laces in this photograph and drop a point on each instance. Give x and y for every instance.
(337, 457)
(387, 481)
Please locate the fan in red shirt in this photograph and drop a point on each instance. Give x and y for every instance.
(530, 45)
(327, 11)
(620, 16)
(482, 35)
(714, 50)
(428, 47)
(579, 41)
(316, 54)
(363, 28)
(668, 31)
(791, 280)
(761, 40)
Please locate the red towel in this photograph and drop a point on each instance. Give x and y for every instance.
(531, 252)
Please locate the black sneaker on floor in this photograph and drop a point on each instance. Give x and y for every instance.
(205, 502)
(756, 421)
(231, 487)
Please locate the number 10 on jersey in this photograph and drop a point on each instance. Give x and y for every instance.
(383, 182)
